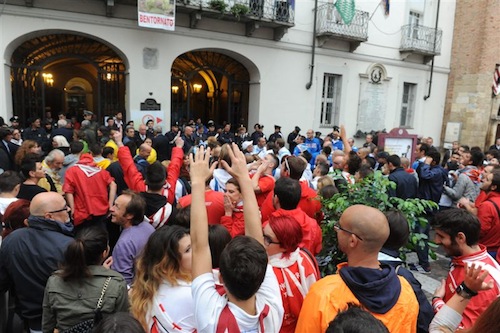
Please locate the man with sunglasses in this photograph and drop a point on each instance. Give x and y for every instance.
(361, 233)
(30, 255)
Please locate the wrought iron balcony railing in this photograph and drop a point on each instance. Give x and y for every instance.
(264, 10)
(331, 25)
(421, 40)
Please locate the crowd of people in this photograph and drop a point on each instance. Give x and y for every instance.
(208, 228)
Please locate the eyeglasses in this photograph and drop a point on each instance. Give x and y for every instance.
(337, 226)
(65, 208)
(268, 241)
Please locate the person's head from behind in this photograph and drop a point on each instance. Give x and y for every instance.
(287, 193)
(325, 181)
(155, 176)
(224, 155)
(456, 230)
(218, 238)
(361, 231)
(399, 230)
(128, 209)
(15, 216)
(355, 320)
(364, 171)
(327, 192)
(90, 247)
(282, 234)
(76, 147)
(293, 167)
(119, 322)
(243, 266)
(50, 206)
(10, 183)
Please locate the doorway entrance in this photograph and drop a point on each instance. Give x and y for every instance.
(66, 73)
(211, 86)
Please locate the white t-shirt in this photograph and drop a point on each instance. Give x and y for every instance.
(209, 305)
(173, 308)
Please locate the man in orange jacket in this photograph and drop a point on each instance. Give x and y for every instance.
(361, 232)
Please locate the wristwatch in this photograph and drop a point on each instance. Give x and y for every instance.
(464, 292)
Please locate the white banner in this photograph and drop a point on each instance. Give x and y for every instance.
(157, 14)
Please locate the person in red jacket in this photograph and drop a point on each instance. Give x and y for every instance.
(287, 195)
(293, 167)
(90, 192)
(487, 210)
(457, 231)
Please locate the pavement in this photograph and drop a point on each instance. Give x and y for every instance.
(432, 280)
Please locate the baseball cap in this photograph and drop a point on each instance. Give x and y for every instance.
(15, 118)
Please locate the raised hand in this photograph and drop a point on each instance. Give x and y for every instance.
(474, 278)
(238, 168)
(198, 165)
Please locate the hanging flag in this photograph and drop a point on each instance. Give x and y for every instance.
(387, 6)
(346, 9)
(157, 14)
(496, 81)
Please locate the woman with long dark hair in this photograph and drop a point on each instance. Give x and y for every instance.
(72, 293)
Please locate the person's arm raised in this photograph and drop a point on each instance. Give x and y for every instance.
(238, 169)
(199, 172)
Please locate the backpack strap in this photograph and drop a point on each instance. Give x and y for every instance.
(496, 206)
(313, 260)
(51, 183)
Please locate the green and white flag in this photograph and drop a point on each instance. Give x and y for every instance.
(346, 9)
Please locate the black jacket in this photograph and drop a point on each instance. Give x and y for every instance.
(406, 184)
(28, 256)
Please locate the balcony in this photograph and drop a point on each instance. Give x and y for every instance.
(275, 14)
(417, 39)
(330, 26)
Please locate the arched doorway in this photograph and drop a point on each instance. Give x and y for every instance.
(209, 85)
(68, 73)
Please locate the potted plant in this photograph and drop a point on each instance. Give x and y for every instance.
(239, 9)
(372, 191)
(219, 5)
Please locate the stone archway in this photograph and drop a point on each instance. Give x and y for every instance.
(212, 85)
(42, 66)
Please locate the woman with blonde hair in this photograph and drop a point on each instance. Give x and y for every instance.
(161, 297)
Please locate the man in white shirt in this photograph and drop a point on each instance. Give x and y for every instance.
(252, 301)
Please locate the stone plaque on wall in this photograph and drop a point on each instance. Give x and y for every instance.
(372, 99)
(372, 106)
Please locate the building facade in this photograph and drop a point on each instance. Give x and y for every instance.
(471, 107)
(277, 62)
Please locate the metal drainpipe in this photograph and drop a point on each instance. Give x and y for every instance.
(309, 84)
(432, 64)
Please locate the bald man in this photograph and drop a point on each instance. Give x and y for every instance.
(361, 233)
(30, 255)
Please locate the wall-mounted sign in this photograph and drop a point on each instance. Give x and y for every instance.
(399, 142)
(159, 14)
(150, 104)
